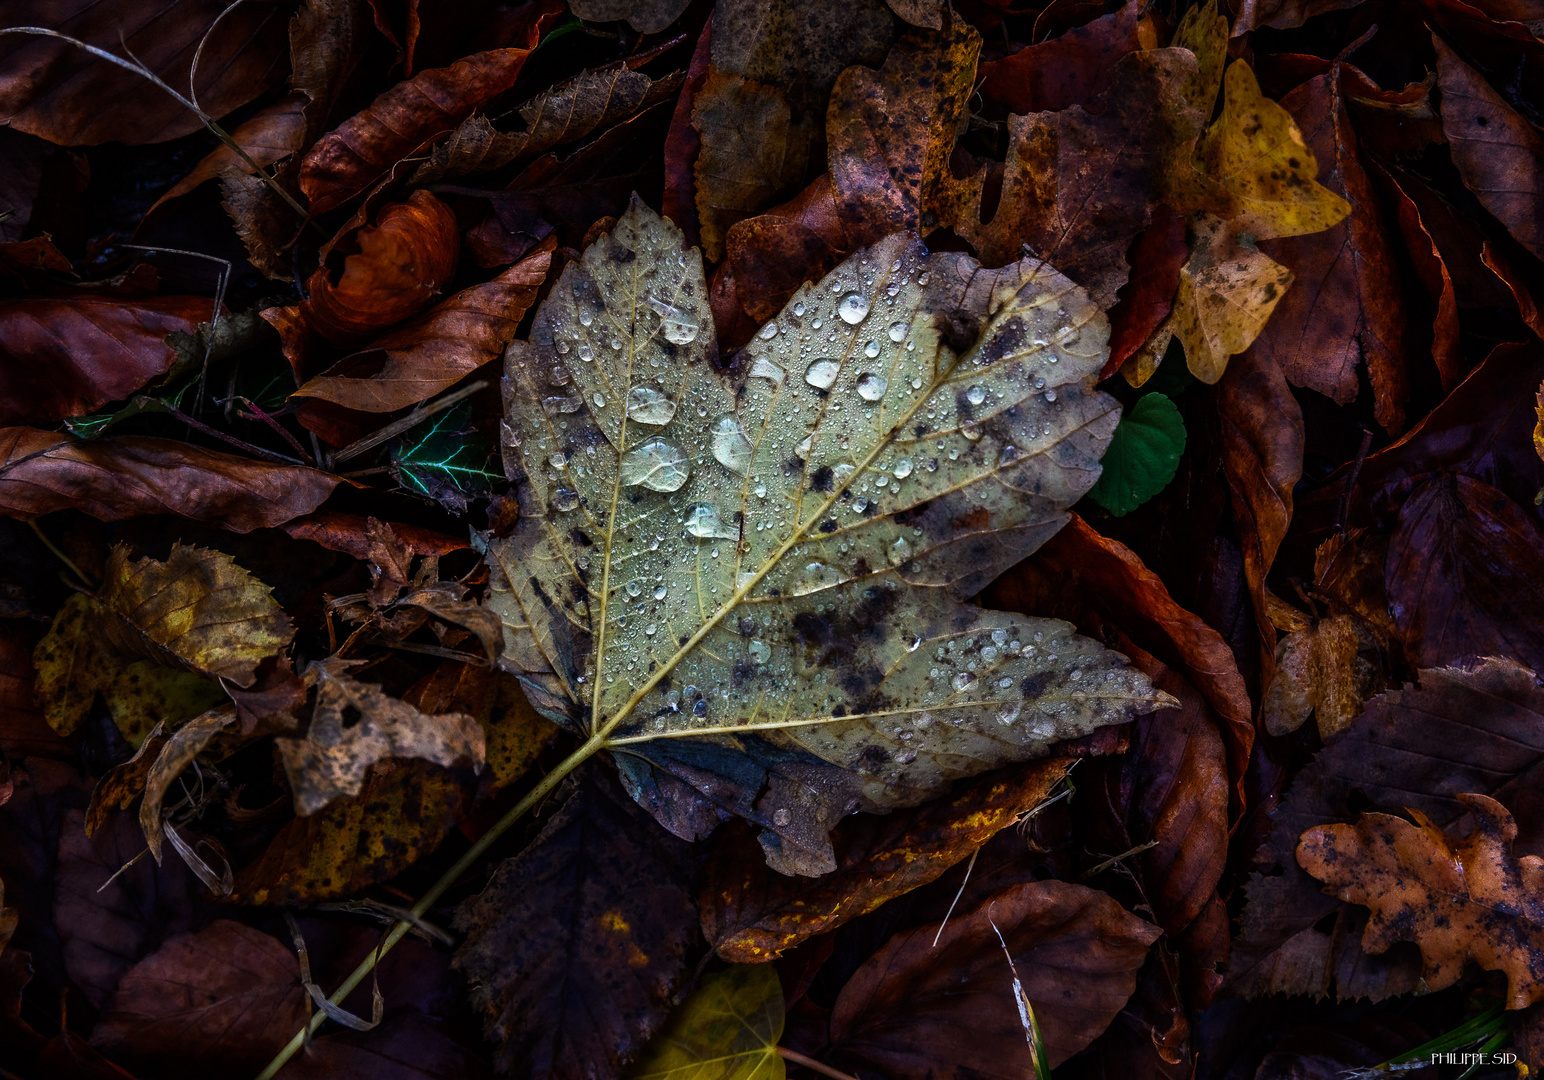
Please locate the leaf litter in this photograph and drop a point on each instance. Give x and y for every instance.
(803, 621)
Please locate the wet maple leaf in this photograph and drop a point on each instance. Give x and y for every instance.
(1458, 900)
(747, 585)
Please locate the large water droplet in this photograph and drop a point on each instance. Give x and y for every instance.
(822, 373)
(961, 680)
(766, 369)
(975, 395)
(585, 318)
(853, 308)
(646, 405)
(760, 651)
(657, 464)
(902, 468)
(898, 331)
(586, 353)
(659, 592)
(816, 576)
(871, 350)
(559, 375)
(803, 449)
(564, 500)
(552, 406)
(730, 446)
(971, 430)
(798, 309)
(768, 332)
(872, 386)
(900, 551)
(681, 330)
(634, 588)
(704, 522)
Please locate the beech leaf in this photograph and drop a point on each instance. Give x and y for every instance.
(1458, 900)
(749, 585)
(727, 1030)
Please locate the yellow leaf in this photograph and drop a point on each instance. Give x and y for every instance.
(727, 1030)
(1204, 33)
(1227, 291)
(1257, 153)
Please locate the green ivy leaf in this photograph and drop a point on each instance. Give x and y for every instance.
(450, 461)
(1143, 456)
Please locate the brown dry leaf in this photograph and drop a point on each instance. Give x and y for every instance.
(751, 152)
(1347, 307)
(772, 254)
(1459, 731)
(67, 355)
(276, 132)
(67, 96)
(566, 113)
(1432, 269)
(1070, 69)
(892, 133)
(415, 111)
(112, 479)
(1497, 151)
(515, 734)
(751, 915)
(439, 348)
(1458, 900)
(333, 758)
(186, 743)
(1080, 185)
(1319, 673)
(403, 263)
(226, 997)
(916, 1012)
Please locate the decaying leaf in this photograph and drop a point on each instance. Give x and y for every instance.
(155, 637)
(1459, 900)
(354, 726)
(915, 1011)
(747, 585)
(578, 942)
(727, 1030)
(645, 16)
(1319, 673)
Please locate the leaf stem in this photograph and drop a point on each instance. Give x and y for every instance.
(810, 1063)
(586, 751)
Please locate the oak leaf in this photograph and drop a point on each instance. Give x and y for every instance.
(747, 584)
(1458, 900)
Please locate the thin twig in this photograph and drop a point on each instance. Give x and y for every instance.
(957, 895)
(215, 433)
(405, 423)
(1114, 859)
(278, 428)
(810, 1063)
(219, 301)
(80, 577)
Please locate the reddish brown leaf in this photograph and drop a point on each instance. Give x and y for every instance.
(24, 732)
(751, 914)
(439, 348)
(68, 355)
(772, 254)
(1147, 297)
(1432, 269)
(1345, 305)
(1262, 457)
(404, 261)
(1458, 900)
(682, 144)
(348, 159)
(1465, 575)
(916, 1011)
(1499, 154)
(44, 471)
(215, 1002)
(67, 96)
(1072, 69)
(645, 16)
(405, 1047)
(348, 533)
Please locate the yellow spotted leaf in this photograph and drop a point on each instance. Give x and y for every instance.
(727, 1030)
(1255, 150)
(1205, 33)
(750, 585)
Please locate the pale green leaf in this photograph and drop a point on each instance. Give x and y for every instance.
(727, 1030)
(750, 583)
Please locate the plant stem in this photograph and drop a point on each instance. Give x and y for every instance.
(810, 1063)
(447, 879)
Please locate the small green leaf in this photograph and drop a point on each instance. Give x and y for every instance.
(1143, 456)
(449, 460)
(727, 1030)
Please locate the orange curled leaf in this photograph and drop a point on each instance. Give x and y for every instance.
(1457, 900)
(403, 262)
